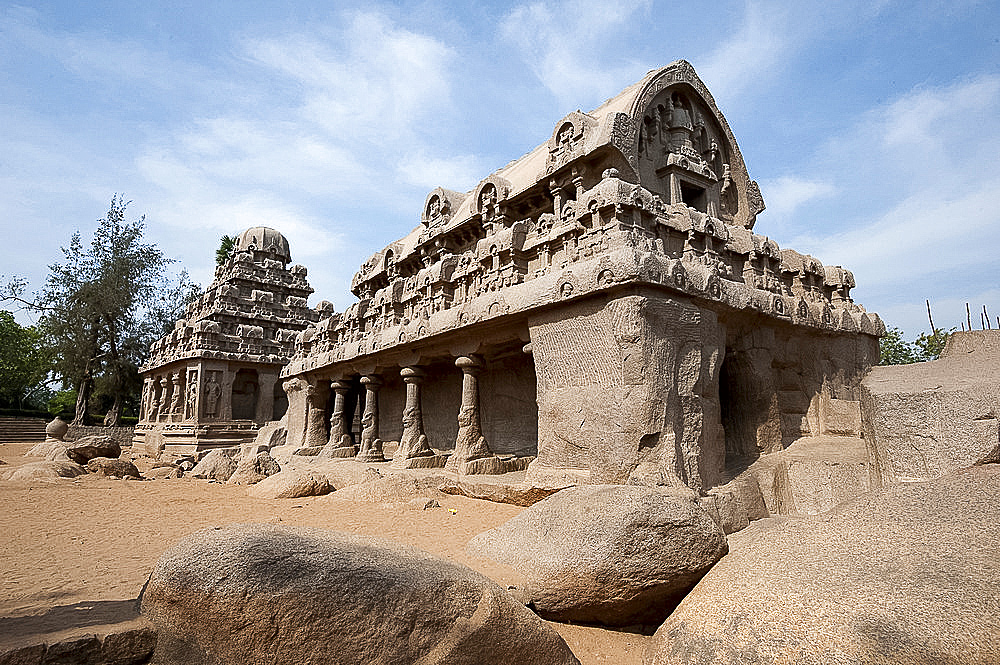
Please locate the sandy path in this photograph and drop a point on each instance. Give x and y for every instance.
(75, 543)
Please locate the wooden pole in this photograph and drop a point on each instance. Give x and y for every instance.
(968, 316)
(931, 320)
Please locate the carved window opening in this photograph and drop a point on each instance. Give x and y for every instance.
(694, 196)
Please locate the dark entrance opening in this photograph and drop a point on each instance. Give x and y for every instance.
(245, 391)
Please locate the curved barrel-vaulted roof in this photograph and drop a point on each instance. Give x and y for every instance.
(664, 133)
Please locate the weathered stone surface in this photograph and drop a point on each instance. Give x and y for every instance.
(811, 476)
(290, 484)
(340, 472)
(928, 419)
(216, 465)
(518, 494)
(85, 650)
(253, 469)
(117, 468)
(30, 655)
(248, 594)
(398, 486)
(128, 647)
(46, 448)
(56, 429)
(164, 472)
(610, 554)
(89, 447)
(905, 575)
(46, 469)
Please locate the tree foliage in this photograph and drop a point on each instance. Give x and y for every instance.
(103, 306)
(927, 346)
(226, 246)
(25, 363)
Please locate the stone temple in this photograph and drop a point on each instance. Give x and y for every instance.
(213, 381)
(598, 311)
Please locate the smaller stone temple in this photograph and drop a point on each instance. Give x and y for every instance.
(213, 380)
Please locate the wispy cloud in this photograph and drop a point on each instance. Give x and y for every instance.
(566, 46)
(917, 195)
(787, 194)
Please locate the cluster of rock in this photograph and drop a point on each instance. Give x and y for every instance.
(98, 454)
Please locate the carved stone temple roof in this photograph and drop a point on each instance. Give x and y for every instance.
(250, 313)
(648, 189)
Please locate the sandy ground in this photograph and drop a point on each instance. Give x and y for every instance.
(76, 552)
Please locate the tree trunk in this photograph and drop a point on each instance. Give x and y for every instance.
(82, 399)
(111, 418)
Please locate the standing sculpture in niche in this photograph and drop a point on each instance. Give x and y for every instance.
(212, 393)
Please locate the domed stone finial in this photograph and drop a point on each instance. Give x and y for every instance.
(265, 240)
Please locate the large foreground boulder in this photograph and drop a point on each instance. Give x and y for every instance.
(83, 450)
(216, 465)
(611, 554)
(249, 594)
(908, 575)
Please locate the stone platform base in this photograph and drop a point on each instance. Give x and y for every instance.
(810, 477)
(341, 452)
(493, 466)
(187, 438)
(425, 462)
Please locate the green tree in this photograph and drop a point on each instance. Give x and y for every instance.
(226, 246)
(102, 308)
(25, 363)
(894, 350)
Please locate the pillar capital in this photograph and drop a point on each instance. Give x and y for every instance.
(412, 374)
(372, 381)
(470, 364)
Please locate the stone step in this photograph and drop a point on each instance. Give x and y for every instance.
(809, 477)
(22, 430)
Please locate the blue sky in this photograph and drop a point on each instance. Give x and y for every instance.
(872, 127)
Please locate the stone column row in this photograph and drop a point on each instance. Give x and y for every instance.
(413, 451)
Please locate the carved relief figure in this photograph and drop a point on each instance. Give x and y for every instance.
(212, 393)
(192, 396)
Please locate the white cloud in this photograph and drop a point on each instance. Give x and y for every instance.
(457, 172)
(785, 196)
(373, 81)
(916, 198)
(563, 44)
(752, 52)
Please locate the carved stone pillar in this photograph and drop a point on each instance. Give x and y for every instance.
(371, 445)
(176, 397)
(413, 442)
(340, 443)
(470, 443)
(164, 401)
(340, 434)
(317, 395)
